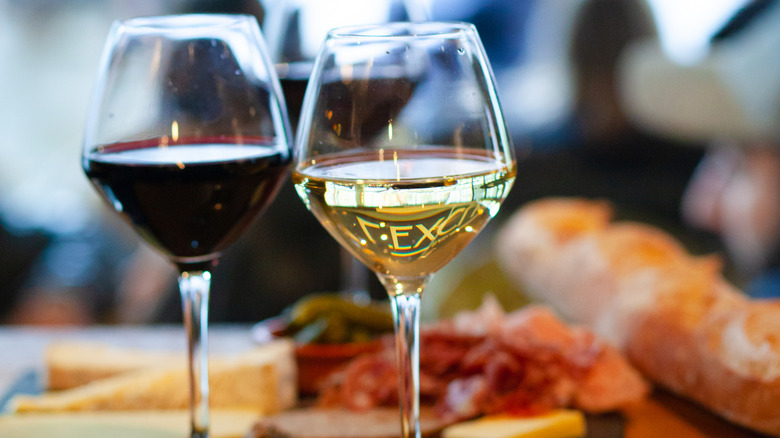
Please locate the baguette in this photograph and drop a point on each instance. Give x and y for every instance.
(261, 380)
(673, 314)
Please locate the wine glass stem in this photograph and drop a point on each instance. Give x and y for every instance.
(354, 279)
(406, 313)
(194, 287)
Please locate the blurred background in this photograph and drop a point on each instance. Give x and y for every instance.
(574, 78)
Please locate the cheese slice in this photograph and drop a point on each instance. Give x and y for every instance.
(557, 424)
(261, 379)
(129, 424)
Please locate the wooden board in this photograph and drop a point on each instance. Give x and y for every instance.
(665, 415)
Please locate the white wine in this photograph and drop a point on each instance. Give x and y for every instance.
(405, 213)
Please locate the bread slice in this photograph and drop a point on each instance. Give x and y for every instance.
(261, 380)
(72, 364)
(129, 424)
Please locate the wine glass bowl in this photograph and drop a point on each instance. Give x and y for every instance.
(294, 30)
(403, 155)
(187, 139)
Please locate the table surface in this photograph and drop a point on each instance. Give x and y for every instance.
(21, 352)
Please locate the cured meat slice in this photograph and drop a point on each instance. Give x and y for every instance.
(488, 362)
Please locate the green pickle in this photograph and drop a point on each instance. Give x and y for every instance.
(336, 329)
(333, 319)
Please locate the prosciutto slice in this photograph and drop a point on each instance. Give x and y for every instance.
(490, 362)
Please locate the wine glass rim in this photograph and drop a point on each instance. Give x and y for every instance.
(402, 30)
(178, 21)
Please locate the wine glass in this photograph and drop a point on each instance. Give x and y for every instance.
(188, 140)
(403, 155)
(294, 30)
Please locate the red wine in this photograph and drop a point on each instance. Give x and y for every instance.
(294, 77)
(294, 90)
(189, 201)
(378, 101)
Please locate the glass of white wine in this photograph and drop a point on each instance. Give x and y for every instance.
(403, 155)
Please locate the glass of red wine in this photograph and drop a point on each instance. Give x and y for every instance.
(294, 30)
(188, 140)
